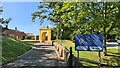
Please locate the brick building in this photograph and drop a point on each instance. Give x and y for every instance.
(14, 34)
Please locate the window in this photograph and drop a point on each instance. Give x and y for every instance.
(11, 35)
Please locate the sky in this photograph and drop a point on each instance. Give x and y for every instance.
(20, 12)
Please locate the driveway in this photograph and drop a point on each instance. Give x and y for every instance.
(39, 56)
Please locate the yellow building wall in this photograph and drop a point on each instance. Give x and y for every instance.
(42, 35)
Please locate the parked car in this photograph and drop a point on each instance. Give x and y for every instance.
(118, 41)
(111, 40)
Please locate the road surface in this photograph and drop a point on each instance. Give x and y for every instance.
(39, 56)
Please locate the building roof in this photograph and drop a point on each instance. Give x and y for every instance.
(29, 34)
(45, 28)
(16, 33)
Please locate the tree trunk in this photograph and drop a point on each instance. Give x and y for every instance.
(57, 35)
(104, 19)
(105, 46)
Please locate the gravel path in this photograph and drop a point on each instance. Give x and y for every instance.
(39, 56)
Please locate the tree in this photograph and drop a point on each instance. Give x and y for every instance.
(105, 18)
(5, 22)
(81, 17)
(46, 11)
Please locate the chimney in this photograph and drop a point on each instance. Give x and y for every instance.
(15, 28)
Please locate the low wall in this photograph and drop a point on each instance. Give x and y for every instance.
(64, 54)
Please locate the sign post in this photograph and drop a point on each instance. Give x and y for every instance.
(99, 58)
(78, 55)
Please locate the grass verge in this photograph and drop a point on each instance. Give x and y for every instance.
(12, 48)
(88, 58)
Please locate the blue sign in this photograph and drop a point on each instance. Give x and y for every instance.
(89, 42)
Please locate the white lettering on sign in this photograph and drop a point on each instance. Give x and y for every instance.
(95, 48)
(82, 47)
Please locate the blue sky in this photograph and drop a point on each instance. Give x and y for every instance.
(20, 12)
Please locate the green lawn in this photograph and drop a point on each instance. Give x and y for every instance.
(12, 48)
(91, 58)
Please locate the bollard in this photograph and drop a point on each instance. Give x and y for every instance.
(52, 43)
(71, 57)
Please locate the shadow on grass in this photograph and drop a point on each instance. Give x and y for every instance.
(113, 60)
(89, 61)
(113, 54)
(79, 63)
(75, 63)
